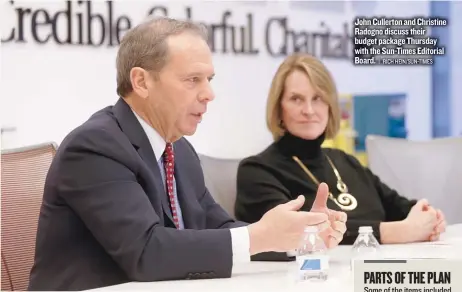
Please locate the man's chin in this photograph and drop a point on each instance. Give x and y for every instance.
(189, 131)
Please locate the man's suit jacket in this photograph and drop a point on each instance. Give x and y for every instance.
(105, 214)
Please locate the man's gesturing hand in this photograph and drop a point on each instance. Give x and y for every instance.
(334, 234)
(281, 229)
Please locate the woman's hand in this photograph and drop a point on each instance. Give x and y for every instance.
(422, 223)
(440, 226)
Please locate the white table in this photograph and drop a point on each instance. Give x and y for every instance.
(275, 276)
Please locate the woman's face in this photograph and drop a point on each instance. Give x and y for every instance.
(304, 112)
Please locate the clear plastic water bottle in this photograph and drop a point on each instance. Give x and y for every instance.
(366, 246)
(312, 258)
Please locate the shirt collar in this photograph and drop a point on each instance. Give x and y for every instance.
(155, 139)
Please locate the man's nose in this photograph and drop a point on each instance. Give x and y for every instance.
(207, 93)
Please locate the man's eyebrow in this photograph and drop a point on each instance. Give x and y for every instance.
(196, 73)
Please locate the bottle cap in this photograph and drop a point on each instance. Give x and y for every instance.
(365, 229)
(311, 229)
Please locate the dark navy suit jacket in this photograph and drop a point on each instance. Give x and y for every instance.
(105, 217)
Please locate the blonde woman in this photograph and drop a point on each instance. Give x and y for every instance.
(303, 111)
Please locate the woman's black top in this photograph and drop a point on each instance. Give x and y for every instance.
(273, 177)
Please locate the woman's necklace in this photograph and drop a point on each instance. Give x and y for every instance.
(345, 200)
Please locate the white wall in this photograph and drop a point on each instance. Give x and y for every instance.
(47, 90)
(456, 73)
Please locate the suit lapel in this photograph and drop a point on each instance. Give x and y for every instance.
(135, 133)
(147, 154)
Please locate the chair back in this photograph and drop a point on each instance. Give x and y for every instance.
(421, 169)
(22, 182)
(220, 177)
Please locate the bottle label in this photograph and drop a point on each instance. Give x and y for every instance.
(313, 263)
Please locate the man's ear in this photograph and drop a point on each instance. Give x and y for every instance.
(140, 79)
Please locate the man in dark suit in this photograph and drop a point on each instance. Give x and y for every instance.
(125, 198)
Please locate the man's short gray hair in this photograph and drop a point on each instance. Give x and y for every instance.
(146, 46)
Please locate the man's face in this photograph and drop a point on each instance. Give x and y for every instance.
(178, 97)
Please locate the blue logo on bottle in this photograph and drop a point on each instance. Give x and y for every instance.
(311, 264)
